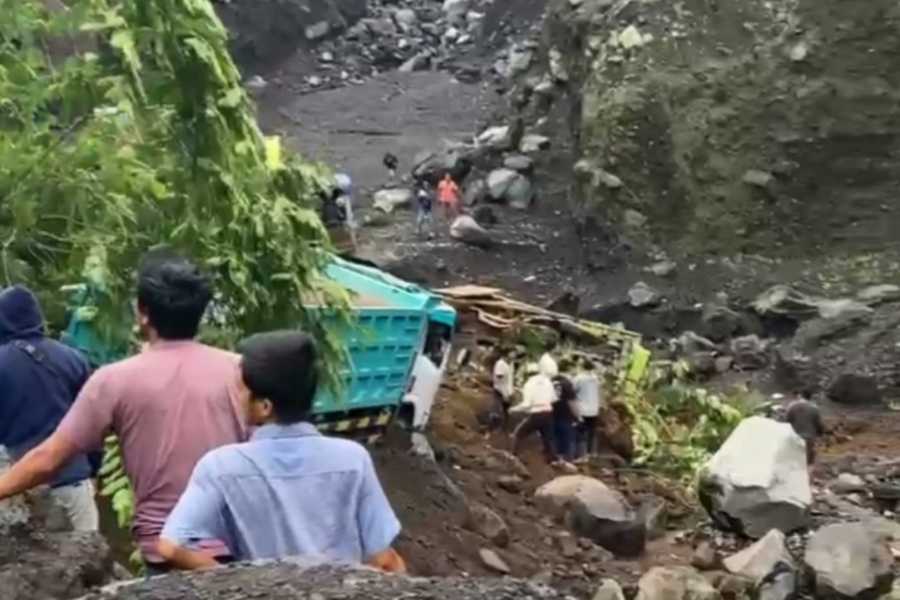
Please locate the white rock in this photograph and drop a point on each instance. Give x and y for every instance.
(758, 480)
(609, 589)
(557, 67)
(534, 143)
(608, 179)
(498, 182)
(495, 137)
(642, 295)
(675, 583)
(257, 83)
(757, 561)
(758, 178)
(849, 561)
(391, 199)
(317, 30)
(630, 37)
(467, 230)
(405, 17)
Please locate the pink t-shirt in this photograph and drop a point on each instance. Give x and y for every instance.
(169, 405)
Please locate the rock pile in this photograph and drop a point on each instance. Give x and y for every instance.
(293, 579)
(40, 556)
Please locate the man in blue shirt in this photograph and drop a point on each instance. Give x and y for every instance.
(39, 381)
(289, 491)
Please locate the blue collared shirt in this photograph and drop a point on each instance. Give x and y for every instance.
(289, 491)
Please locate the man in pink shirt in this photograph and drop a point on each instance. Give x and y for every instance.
(169, 405)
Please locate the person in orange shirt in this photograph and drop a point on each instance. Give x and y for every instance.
(448, 197)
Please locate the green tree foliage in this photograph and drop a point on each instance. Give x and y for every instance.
(123, 125)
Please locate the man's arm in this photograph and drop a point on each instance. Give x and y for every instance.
(38, 466)
(183, 558)
(198, 515)
(378, 525)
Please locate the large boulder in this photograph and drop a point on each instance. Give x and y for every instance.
(750, 352)
(484, 521)
(758, 480)
(511, 187)
(759, 559)
(40, 556)
(294, 578)
(675, 583)
(593, 510)
(855, 390)
(431, 166)
(467, 230)
(849, 560)
(390, 200)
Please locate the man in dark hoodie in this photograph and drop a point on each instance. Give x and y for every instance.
(39, 381)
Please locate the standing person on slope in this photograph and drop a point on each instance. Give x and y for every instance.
(168, 405)
(448, 197)
(538, 397)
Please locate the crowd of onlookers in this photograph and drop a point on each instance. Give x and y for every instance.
(218, 447)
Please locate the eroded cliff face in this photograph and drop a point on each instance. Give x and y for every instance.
(756, 126)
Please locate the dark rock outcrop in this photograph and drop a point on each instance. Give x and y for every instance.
(292, 580)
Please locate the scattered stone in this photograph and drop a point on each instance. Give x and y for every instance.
(675, 583)
(534, 143)
(406, 18)
(467, 230)
(634, 219)
(779, 584)
(877, 294)
(318, 30)
(758, 480)
(518, 162)
(520, 193)
(431, 166)
(723, 364)
(455, 10)
(493, 561)
(475, 193)
(759, 560)
(499, 182)
(762, 179)
(484, 216)
(568, 545)
(557, 66)
(486, 522)
(519, 61)
(419, 62)
(799, 52)
(855, 390)
(652, 510)
(594, 511)
(785, 301)
(848, 561)
(257, 83)
(750, 353)
(387, 201)
(511, 483)
(609, 589)
(608, 179)
(496, 137)
(843, 308)
(631, 37)
(705, 557)
(663, 268)
(719, 322)
(642, 295)
(848, 483)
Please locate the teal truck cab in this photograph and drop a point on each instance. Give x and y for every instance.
(398, 350)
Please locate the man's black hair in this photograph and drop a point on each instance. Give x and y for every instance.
(281, 366)
(173, 292)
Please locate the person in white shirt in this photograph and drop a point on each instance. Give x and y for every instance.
(503, 388)
(548, 366)
(588, 398)
(538, 396)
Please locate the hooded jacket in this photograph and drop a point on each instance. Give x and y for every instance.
(39, 381)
